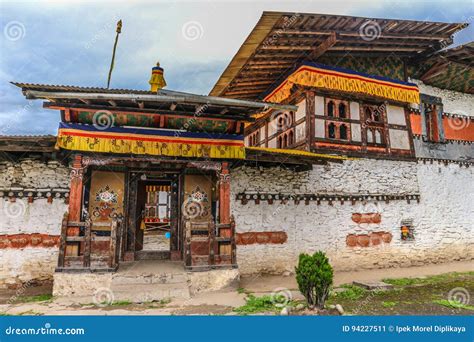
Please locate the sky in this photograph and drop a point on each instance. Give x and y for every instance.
(70, 43)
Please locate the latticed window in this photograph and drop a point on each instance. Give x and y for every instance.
(286, 139)
(374, 124)
(254, 138)
(285, 129)
(338, 126)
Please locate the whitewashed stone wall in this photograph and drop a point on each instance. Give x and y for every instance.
(443, 219)
(31, 173)
(20, 217)
(453, 102)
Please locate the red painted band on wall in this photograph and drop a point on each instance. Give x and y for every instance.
(17, 241)
(260, 238)
(367, 218)
(368, 240)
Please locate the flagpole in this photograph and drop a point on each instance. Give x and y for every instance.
(118, 30)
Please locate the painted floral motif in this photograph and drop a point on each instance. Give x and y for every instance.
(106, 195)
(107, 199)
(199, 195)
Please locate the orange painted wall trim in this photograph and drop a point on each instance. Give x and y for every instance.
(458, 128)
(17, 241)
(455, 128)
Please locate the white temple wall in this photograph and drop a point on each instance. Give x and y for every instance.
(30, 222)
(442, 220)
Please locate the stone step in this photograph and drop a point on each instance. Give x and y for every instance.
(145, 279)
(150, 292)
(152, 255)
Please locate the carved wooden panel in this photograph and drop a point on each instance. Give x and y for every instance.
(106, 198)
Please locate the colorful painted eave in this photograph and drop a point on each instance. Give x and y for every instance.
(338, 79)
(170, 143)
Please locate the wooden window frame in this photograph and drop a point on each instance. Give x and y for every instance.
(339, 121)
(370, 126)
(286, 137)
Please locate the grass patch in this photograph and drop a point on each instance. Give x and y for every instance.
(121, 303)
(389, 304)
(452, 304)
(38, 298)
(155, 304)
(259, 304)
(165, 301)
(427, 280)
(351, 292)
(242, 290)
(30, 313)
(402, 281)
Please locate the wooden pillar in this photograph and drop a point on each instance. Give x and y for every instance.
(310, 119)
(76, 187)
(224, 193)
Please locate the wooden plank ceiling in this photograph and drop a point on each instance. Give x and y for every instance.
(280, 41)
(450, 69)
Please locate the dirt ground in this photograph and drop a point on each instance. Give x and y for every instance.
(421, 290)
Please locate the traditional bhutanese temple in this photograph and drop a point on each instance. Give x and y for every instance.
(317, 136)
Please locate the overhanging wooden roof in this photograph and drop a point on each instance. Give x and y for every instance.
(163, 102)
(280, 41)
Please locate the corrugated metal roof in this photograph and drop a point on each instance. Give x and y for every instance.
(79, 89)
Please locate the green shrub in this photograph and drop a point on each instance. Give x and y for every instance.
(314, 276)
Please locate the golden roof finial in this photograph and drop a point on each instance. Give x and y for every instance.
(157, 80)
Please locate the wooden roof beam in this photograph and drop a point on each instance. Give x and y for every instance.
(272, 62)
(248, 82)
(435, 70)
(323, 47)
(373, 48)
(242, 92)
(263, 67)
(357, 34)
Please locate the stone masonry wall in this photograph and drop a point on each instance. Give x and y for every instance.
(453, 102)
(29, 229)
(366, 234)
